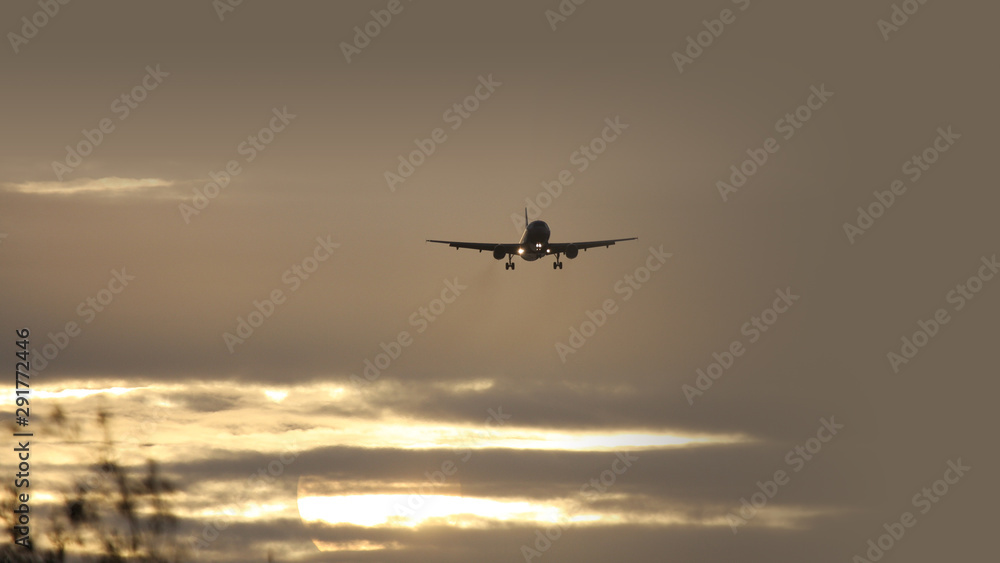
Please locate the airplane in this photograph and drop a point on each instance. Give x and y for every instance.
(534, 244)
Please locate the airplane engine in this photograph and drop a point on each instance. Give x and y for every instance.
(499, 252)
(572, 251)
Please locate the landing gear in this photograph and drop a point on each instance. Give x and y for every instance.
(510, 264)
(557, 264)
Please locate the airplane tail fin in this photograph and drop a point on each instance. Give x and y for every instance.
(526, 217)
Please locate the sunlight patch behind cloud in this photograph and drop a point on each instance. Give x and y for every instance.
(321, 415)
(276, 395)
(356, 545)
(415, 510)
(398, 510)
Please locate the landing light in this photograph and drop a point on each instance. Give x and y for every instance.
(520, 251)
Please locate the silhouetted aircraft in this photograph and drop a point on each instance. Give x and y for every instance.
(534, 245)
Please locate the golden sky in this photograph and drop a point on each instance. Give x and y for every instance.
(213, 221)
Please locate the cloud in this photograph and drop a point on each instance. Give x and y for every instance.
(107, 186)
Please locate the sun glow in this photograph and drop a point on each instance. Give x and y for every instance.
(276, 395)
(411, 511)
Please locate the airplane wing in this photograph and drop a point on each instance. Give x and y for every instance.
(480, 246)
(560, 247)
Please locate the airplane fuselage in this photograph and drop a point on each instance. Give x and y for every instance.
(534, 241)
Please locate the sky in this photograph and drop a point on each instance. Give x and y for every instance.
(213, 223)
